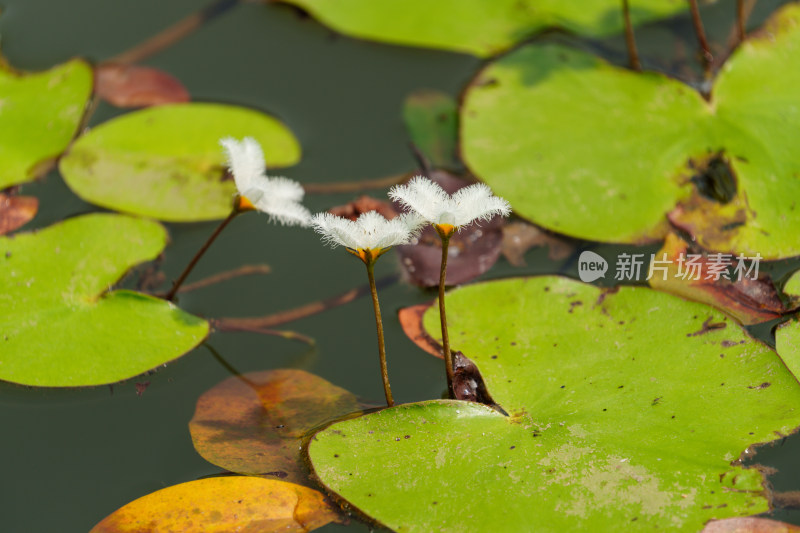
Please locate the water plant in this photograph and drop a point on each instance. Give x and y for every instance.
(448, 213)
(278, 197)
(368, 237)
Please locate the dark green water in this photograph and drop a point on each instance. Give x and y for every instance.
(71, 457)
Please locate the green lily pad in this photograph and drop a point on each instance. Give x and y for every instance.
(479, 27)
(599, 152)
(165, 162)
(787, 344)
(59, 325)
(39, 115)
(628, 411)
(792, 286)
(431, 118)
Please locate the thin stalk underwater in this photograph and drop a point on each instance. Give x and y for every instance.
(387, 389)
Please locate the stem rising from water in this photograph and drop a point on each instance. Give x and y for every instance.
(370, 262)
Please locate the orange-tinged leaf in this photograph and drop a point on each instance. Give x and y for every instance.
(16, 211)
(411, 321)
(750, 301)
(223, 504)
(136, 86)
(254, 423)
(749, 524)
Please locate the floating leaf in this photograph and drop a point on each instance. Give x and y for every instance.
(787, 343)
(254, 424)
(39, 114)
(165, 162)
(749, 525)
(16, 211)
(364, 204)
(792, 288)
(126, 85)
(411, 321)
(599, 152)
(473, 249)
(627, 412)
(60, 324)
(223, 504)
(431, 118)
(749, 300)
(478, 27)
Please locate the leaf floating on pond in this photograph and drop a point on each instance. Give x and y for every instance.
(478, 27)
(165, 162)
(749, 524)
(431, 119)
(223, 504)
(255, 423)
(599, 152)
(748, 300)
(16, 211)
(411, 321)
(124, 85)
(39, 114)
(61, 326)
(608, 425)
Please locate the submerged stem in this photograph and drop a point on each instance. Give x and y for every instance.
(701, 37)
(177, 285)
(370, 262)
(630, 40)
(448, 356)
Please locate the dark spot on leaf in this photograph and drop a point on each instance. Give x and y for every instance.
(621, 386)
(562, 386)
(407, 437)
(728, 344)
(512, 447)
(656, 401)
(717, 180)
(708, 326)
(762, 386)
(605, 409)
(336, 455)
(494, 357)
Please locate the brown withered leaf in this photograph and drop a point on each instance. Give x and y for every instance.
(16, 211)
(363, 204)
(473, 249)
(411, 322)
(254, 423)
(749, 524)
(519, 237)
(750, 301)
(125, 85)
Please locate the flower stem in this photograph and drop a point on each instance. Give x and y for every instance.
(448, 356)
(630, 40)
(177, 285)
(370, 262)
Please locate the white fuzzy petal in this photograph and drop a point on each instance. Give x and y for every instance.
(370, 231)
(245, 161)
(284, 212)
(422, 196)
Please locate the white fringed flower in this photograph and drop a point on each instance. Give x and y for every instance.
(448, 213)
(370, 235)
(276, 196)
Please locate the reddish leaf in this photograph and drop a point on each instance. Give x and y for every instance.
(124, 85)
(16, 211)
(254, 424)
(749, 524)
(750, 301)
(411, 321)
(222, 504)
(473, 249)
(361, 205)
